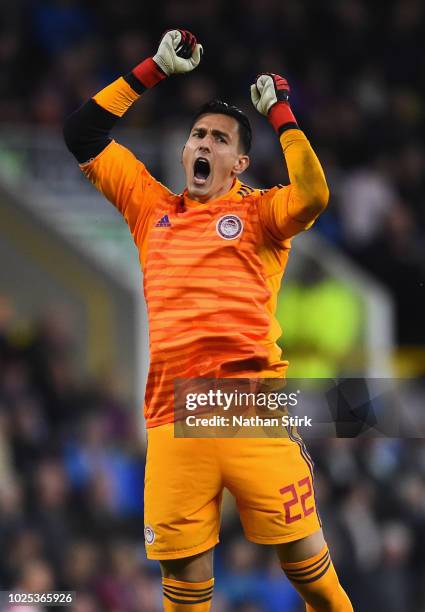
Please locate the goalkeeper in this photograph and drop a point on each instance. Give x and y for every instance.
(213, 258)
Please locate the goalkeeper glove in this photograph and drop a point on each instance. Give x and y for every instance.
(270, 96)
(178, 52)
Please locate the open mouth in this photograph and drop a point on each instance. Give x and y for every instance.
(201, 170)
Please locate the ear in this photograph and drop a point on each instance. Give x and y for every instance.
(241, 164)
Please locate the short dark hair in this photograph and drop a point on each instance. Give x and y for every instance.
(218, 107)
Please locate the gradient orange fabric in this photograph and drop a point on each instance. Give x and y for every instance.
(212, 271)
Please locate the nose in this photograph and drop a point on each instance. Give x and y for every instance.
(204, 147)
(205, 144)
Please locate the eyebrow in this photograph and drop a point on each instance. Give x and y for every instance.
(214, 132)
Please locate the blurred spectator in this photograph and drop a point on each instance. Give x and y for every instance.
(366, 200)
(36, 576)
(59, 24)
(81, 565)
(251, 579)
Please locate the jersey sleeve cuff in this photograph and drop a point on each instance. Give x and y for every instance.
(147, 75)
(282, 118)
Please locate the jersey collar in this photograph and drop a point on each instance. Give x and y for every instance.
(188, 203)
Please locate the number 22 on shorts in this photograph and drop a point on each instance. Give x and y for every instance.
(297, 495)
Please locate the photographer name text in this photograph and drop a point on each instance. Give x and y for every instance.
(253, 421)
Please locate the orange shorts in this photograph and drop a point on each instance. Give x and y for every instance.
(270, 478)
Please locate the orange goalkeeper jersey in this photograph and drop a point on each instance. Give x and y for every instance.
(212, 271)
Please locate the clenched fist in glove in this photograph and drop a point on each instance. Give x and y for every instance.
(270, 96)
(178, 52)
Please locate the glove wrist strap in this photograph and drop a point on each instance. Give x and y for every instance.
(148, 74)
(282, 118)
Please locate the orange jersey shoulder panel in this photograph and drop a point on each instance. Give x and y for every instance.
(125, 181)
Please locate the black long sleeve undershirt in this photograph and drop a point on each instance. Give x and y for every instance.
(87, 130)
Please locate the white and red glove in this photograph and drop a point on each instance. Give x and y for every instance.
(178, 52)
(270, 96)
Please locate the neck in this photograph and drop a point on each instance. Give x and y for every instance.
(203, 199)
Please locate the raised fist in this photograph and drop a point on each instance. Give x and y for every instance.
(267, 90)
(178, 52)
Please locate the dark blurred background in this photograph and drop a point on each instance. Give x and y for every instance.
(71, 352)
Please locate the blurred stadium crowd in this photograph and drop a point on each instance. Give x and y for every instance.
(356, 69)
(71, 459)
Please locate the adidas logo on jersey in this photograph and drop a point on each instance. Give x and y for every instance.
(163, 222)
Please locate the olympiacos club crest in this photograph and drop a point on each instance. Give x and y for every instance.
(229, 227)
(149, 535)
